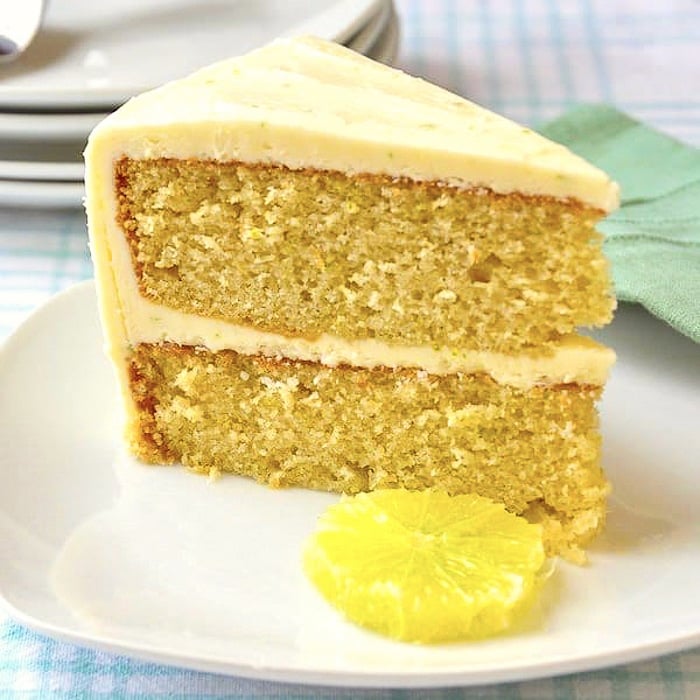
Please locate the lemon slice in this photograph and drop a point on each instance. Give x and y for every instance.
(425, 566)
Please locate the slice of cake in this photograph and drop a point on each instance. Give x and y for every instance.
(318, 271)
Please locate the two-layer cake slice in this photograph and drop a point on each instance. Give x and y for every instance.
(318, 271)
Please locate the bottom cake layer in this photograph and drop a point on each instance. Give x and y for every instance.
(349, 429)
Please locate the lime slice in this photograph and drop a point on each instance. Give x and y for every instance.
(425, 566)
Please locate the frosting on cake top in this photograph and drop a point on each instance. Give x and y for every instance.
(309, 103)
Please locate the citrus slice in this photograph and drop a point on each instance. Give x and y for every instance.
(425, 566)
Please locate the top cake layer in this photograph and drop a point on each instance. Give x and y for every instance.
(307, 203)
(307, 103)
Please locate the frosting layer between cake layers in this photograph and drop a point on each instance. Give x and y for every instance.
(131, 319)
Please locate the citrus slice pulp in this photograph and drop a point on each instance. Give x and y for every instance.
(425, 566)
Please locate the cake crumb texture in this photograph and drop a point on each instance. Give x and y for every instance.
(345, 429)
(404, 262)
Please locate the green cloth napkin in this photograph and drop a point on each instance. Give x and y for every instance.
(653, 240)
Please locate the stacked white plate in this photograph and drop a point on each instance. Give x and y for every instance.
(90, 57)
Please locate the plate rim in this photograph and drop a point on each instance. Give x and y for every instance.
(49, 126)
(366, 679)
(43, 170)
(42, 194)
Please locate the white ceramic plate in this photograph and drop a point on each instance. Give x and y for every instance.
(48, 127)
(164, 565)
(98, 54)
(34, 160)
(41, 171)
(36, 194)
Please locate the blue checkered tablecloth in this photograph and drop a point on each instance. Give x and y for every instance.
(529, 59)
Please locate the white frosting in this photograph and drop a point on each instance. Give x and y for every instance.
(575, 359)
(310, 103)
